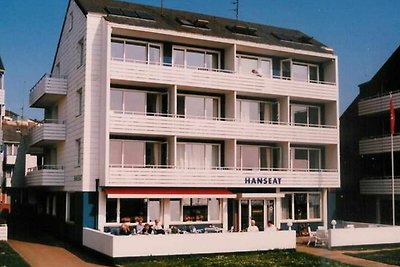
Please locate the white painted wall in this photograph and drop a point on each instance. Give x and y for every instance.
(363, 236)
(186, 244)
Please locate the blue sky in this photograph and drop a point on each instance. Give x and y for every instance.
(362, 33)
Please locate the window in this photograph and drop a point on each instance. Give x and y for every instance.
(71, 21)
(198, 155)
(78, 152)
(259, 66)
(135, 51)
(71, 207)
(306, 159)
(195, 58)
(12, 149)
(256, 111)
(301, 206)
(54, 206)
(79, 102)
(193, 106)
(299, 71)
(80, 52)
(148, 209)
(57, 71)
(195, 210)
(140, 102)
(307, 115)
(257, 157)
(137, 153)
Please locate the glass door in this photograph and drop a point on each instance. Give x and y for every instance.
(259, 210)
(257, 213)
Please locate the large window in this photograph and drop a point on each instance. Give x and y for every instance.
(307, 115)
(299, 71)
(301, 206)
(195, 210)
(195, 58)
(148, 209)
(134, 101)
(256, 111)
(80, 48)
(135, 51)
(137, 153)
(259, 66)
(306, 158)
(198, 106)
(198, 155)
(258, 157)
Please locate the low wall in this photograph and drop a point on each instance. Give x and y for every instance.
(184, 244)
(3, 232)
(363, 236)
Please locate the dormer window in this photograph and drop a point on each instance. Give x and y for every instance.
(198, 23)
(242, 29)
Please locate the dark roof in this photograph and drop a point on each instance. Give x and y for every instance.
(1, 65)
(216, 26)
(386, 80)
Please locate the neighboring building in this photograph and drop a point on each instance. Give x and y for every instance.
(3, 197)
(16, 162)
(189, 118)
(366, 193)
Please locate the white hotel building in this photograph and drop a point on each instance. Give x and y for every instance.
(183, 117)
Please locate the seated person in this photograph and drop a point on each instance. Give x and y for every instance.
(124, 229)
(157, 228)
(146, 229)
(253, 227)
(270, 226)
(139, 226)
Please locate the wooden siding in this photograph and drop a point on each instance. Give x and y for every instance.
(150, 177)
(202, 128)
(379, 145)
(377, 104)
(45, 177)
(379, 186)
(47, 86)
(167, 75)
(47, 132)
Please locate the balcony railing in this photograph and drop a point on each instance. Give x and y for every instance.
(381, 144)
(45, 175)
(379, 185)
(223, 80)
(47, 91)
(219, 128)
(169, 176)
(378, 103)
(2, 93)
(48, 132)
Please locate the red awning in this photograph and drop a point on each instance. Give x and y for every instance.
(127, 192)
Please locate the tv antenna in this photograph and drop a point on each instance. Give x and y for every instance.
(236, 9)
(162, 7)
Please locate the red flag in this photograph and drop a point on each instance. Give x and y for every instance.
(392, 116)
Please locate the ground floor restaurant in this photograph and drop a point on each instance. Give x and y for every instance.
(198, 208)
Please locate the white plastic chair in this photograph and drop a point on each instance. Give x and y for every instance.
(312, 236)
(321, 237)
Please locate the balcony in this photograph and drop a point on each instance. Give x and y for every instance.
(377, 104)
(47, 91)
(167, 125)
(10, 159)
(167, 176)
(46, 175)
(379, 145)
(219, 79)
(49, 132)
(379, 186)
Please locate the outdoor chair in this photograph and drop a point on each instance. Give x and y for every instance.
(321, 237)
(312, 236)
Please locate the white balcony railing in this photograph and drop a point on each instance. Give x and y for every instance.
(46, 175)
(2, 93)
(10, 159)
(379, 103)
(379, 185)
(162, 124)
(381, 144)
(47, 90)
(50, 131)
(223, 80)
(166, 176)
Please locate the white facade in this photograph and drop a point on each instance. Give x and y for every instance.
(135, 125)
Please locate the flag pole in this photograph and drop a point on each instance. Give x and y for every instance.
(393, 207)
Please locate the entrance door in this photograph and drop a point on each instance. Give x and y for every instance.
(260, 210)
